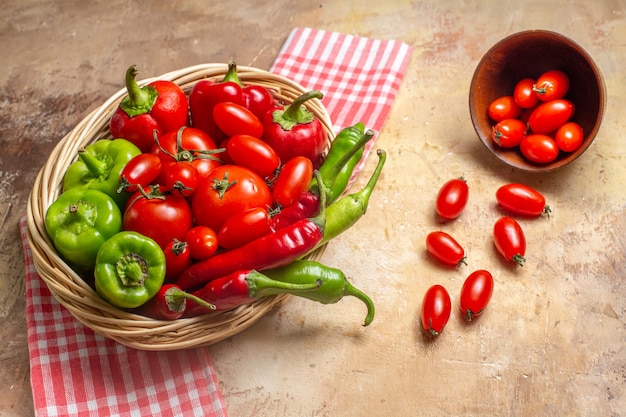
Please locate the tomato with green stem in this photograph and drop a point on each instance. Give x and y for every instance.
(177, 259)
(508, 133)
(522, 200)
(552, 85)
(436, 309)
(509, 240)
(443, 247)
(475, 294)
(140, 171)
(181, 178)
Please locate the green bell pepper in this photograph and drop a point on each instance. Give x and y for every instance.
(99, 166)
(130, 269)
(79, 221)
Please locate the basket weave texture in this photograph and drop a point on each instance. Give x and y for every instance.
(77, 296)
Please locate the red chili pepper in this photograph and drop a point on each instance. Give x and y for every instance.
(269, 251)
(160, 106)
(170, 303)
(295, 131)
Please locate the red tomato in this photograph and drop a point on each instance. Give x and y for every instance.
(476, 293)
(552, 85)
(445, 248)
(177, 259)
(452, 198)
(539, 148)
(292, 180)
(202, 241)
(436, 309)
(510, 240)
(522, 200)
(181, 178)
(549, 116)
(524, 93)
(508, 133)
(228, 190)
(569, 137)
(140, 171)
(234, 119)
(244, 227)
(253, 153)
(162, 217)
(504, 108)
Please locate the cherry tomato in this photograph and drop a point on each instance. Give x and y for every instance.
(140, 171)
(436, 309)
(569, 137)
(549, 116)
(258, 100)
(539, 148)
(253, 153)
(504, 108)
(292, 180)
(244, 227)
(552, 85)
(234, 119)
(202, 241)
(508, 133)
(228, 190)
(177, 259)
(510, 240)
(161, 217)
(181, 178)
(445, 248)
(452, 198)
(522, 200)
(476, 293)
(524, 93)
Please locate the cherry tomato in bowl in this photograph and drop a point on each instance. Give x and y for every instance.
(508, 133)
(475, 294)
(524, 93)
(452, 198)
(538, 148)
(569, 137)
(436, 309)
(551, 85)
(504, 108)
(549, 116)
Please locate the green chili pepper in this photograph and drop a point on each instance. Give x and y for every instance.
(79, 222)
(130, 269)
(99, 166)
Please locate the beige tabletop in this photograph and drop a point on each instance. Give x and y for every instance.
(551, 343)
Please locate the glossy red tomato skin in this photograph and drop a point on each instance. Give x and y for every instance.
(509, 240)
(504, 108)
(177, 259)
(549, 116)
(140, 171)
(475, 294)
(443, 247)
(202, 241)
(436, 309)
(293, 180)
(244, 227)
(242, 189)
(521, 199)
(181, 178)
(234, 119)
(524, 94)
(253, 153)
(569, 137)
(452, 198)
(541, 149)
(552, 85)
(508, 133)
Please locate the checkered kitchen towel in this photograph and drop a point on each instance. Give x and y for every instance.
(75, 372)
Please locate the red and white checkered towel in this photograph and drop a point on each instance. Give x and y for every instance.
(75, 372)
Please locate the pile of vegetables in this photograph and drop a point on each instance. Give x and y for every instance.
(209, 200)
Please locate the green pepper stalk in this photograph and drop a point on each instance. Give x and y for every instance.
(99, 166)
(79, 221)
(130, 269)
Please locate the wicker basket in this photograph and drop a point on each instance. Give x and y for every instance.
(77, 296)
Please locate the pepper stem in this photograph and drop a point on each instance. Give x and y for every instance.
(98, 168)
(320, 219)
(296, 113)
(176, 298)
(350, 289)
(260, 285)
(132, 270)
(139, 100)
(231, 75)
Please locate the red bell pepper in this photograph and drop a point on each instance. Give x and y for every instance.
(256, 98)
(294, 131)
(161, 106)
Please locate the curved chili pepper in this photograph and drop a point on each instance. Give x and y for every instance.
(170, 303)
(269, 251)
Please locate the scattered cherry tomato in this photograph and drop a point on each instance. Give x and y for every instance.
(244, 227)
(181, 178)
(524, 93)
(552, 85)
(504, 108)
(508, 133)
(510, 240)
(140, 171)
(445, 248)
(234, 119)
(292, 180)
(569, 137)
(202, 241)
(522, 200)
(253, 153)
(539, 148)
(549, 116)
(436, 309)
(177, 259)
(475, 294)
(452, 198)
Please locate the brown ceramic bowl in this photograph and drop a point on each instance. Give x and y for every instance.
(529, 54)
